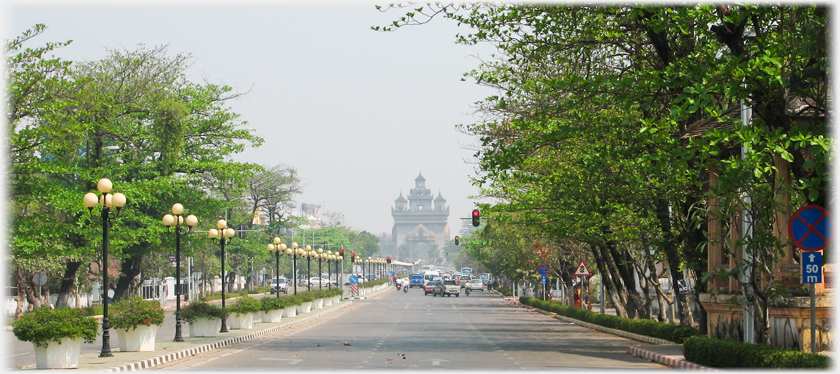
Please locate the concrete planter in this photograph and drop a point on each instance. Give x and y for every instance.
(140, 339)
(290, 312)
(241, 321)
(205, 327)
(59, 355)
(306, 307)
(318, 304)
(336, 299)
(272, 316)
(328, 301)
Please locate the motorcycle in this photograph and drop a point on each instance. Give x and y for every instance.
(405, 289)
(467, 291)
(398, 286)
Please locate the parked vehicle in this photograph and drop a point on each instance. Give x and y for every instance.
(429, 287)
(446, 288)
(278, 286)
(317, 281)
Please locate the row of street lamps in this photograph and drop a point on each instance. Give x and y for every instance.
(224, 233)
(277, 246)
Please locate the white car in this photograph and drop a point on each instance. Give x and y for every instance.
(316, 281)
(475, 285)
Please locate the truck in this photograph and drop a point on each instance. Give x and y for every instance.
(447, 288)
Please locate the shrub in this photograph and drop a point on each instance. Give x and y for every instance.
(200, 309)
(680, 333)
(94, 310)
(245, 305)
(725, 353)
(306, 296)
(44, 325)
(130, 312)
(274, 303)
(293, 300)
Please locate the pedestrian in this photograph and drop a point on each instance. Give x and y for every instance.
(495, 284)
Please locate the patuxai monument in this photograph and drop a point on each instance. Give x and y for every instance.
(420, 222)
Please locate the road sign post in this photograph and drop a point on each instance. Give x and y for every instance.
(810, 229)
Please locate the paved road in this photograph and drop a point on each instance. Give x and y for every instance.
(396, 330)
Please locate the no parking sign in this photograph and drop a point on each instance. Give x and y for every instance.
(810, 228)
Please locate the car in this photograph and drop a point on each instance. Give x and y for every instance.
(463, 279)
(446, 288)
(415, 280)
(475, 285)
(278, 286)
(429, 287)
(317, 281)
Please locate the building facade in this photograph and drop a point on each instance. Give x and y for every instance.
(420, 222)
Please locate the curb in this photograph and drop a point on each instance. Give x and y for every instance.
(667, 360)
(173, 356)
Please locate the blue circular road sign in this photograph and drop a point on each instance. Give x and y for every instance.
(810, 228)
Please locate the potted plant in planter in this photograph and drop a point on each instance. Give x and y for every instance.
(136, 322)
(334, 295)
(241, 313)
(307, 298)
(272, 308)
(319, 298)
(291, 306)
(204, 319)
(57, 335)
(326, 297)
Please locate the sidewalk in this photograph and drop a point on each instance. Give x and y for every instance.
(168, 351)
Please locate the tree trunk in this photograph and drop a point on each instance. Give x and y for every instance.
(68, 284)
(610, 286)
(129, 269)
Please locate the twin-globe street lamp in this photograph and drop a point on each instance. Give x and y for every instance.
(278, 246)
(223, 233)
(107, 201)
(294, 251)
(177, 220)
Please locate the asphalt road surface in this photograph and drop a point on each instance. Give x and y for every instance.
(395, 330)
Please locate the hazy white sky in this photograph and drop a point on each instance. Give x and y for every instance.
(358, 112)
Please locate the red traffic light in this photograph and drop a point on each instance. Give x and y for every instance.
(476, 213)
(341, 252)
(475, 217)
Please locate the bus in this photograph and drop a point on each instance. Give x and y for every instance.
(466, 271)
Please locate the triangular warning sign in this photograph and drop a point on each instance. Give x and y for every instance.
(582, 270)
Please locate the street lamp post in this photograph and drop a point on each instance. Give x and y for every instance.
(330, 257)
(294, 251)
(370, 267)
(277, 246)
(107, 201)
(320, 257)
(309, 254)
(177, 220)
(223, 233)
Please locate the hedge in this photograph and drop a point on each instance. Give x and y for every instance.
(646, 327)
(725, 353)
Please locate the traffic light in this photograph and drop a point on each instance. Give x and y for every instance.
(389, 259)
(341, 252)
(352, 258)
(476, 216)
(456, 240)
